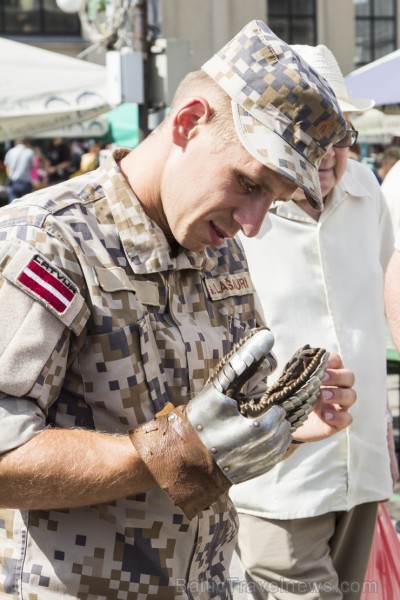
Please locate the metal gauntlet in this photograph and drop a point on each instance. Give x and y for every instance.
(242, 447)
(196, 452)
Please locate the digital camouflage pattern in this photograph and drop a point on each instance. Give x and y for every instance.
(104, 325)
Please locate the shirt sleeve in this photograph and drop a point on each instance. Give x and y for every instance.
(40, 308)
(21, 419)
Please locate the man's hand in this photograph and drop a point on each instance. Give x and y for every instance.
(330, 413)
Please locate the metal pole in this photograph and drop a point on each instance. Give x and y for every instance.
(141, 44)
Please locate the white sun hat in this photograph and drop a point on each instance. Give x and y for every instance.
(321, 59)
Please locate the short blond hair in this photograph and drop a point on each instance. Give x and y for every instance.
(198, 83)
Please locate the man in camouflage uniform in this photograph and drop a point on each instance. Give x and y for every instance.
(119, 292)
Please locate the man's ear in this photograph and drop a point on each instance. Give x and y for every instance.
(191, 114)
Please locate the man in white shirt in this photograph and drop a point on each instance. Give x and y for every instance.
(306, 527)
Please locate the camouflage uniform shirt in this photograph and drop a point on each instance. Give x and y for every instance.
(100, 325)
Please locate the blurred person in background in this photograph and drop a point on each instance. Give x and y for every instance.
(59, 160)
(19, 162)
(306, 527)
(389, 158)
(89, 159)
(39, 169)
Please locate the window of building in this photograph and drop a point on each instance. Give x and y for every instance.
(375, 29)
(293, 20)
(36, 17)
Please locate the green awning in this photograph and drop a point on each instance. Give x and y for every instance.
(124, 125)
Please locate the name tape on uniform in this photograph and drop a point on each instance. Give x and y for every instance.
(229, 285)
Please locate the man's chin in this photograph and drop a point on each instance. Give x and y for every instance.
(190, 246)
(327, 182)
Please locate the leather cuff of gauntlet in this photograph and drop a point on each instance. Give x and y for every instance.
(178, 461)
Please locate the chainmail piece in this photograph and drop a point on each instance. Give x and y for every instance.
(296, 390)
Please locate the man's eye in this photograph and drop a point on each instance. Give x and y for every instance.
(247, 185)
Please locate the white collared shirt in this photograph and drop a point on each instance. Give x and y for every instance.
(321, 282)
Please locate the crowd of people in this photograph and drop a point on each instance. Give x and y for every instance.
(28, 165)
(137, 301)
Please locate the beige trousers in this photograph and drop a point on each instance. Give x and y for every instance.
(323, 557)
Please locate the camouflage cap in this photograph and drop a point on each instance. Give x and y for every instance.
(285, 114)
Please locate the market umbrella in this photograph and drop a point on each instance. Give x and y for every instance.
(378, 80)
(42, 90)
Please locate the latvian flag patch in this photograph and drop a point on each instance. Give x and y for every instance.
(48, 283)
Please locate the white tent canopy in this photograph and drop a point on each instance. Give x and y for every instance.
(376, 127)
(43, 91)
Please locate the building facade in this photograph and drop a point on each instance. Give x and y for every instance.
(357, 31)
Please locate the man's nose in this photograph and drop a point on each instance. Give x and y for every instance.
(330, 152)
(251, 216)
